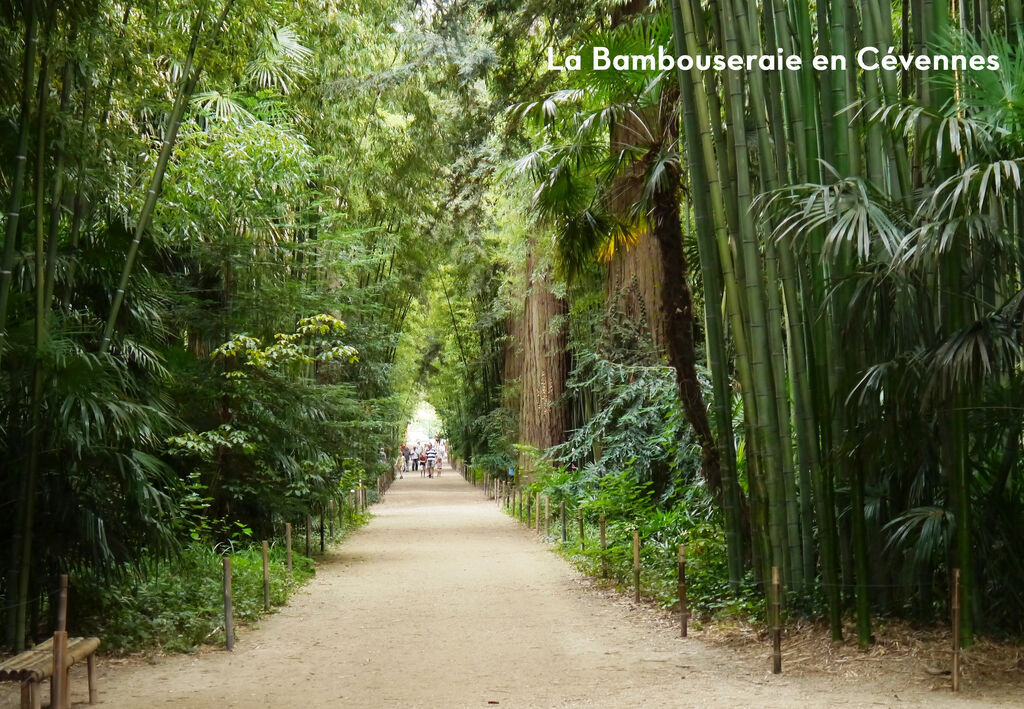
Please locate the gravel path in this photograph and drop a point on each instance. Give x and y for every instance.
(442, 601)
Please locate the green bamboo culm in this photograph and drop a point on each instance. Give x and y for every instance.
(190, 72)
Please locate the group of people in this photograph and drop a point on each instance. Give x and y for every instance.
(427, 458)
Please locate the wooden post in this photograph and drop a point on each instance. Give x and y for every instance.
(684, 614)
(62, 603)
(537, 507)
(59, 678)
(955, 605)
(59, 694)
(309, 523)
(529, 510)
(321, 530)
(90, 664)
(776, 622)
(229, 624)
(330, 514)
(636, 564)
(547, 516)
(288, 548)
(266, 576)
(583, 542)
(564, 535)
(604, 549)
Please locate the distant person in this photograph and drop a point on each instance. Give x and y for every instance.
(406, 454)
(383, 456)
(437, 463)
(415, 457)
(431, 459)
(423, 462)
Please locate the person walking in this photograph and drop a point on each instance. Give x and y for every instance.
(416, 458)
(406, 454)
(431, 458)
(423, 462)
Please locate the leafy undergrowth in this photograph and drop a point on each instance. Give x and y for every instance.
(177, 605)
(708, 593)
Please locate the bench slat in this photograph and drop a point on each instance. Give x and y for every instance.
(37, 664)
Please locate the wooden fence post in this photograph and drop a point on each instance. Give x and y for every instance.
(309, 523)
(330, 514)
(564, 535)
(59, 695)
(684, 614)
(537, 507)
(776, 621)
(636, 564)
(955, 606)
(583, 543)
(288, 548)
(229, 623)
(604, 549)
(529, 510)
(266, 576)
(547, 516)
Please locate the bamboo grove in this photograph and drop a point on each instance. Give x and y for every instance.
(852, 239)
(780, 311)
(860, 233)
(217, 215)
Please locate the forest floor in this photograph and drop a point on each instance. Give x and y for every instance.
(443, 601)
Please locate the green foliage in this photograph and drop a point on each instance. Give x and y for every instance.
(177, 605)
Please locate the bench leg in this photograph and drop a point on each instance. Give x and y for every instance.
(91, 666)
(31, 697)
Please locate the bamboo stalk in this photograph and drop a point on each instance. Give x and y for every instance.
(20, 163)
(191, 71)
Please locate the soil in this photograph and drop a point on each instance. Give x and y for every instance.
(443, 601)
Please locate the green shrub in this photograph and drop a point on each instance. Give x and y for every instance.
(177, 605)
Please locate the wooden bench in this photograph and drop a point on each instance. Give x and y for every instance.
(33, 666)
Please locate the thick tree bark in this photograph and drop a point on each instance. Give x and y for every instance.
(677, 305)
(543, 362)
(635, 270)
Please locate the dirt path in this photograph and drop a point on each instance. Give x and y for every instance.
(441, 601)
